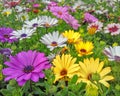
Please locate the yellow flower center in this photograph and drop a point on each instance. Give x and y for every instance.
(63, 72)
(70, 41)
(92, 29)
(7, 13)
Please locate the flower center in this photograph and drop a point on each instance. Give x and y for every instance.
(47, 25)
(83, 51)
(113, 29)
(70, 41)
(54, 43)
(35, 25)
(89, 77)
(63, 72)
(23, 35)
(92, 29)
(59, 12)
(6, 36)
(28, 69)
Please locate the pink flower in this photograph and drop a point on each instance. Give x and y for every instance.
(113, 29)
(90, 18)
(59, 12)
(26, 66)
(36, 5)
(51, 4)
(69, 19)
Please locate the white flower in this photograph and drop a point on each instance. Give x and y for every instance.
(22, 16)
(53, 40)
(48, 21)
(113, 29)
(19, 8)
(78, 4)
(101, 10)
(113, 53)
(34, 23)
(21, 34)
(7, 11)
(96, 25)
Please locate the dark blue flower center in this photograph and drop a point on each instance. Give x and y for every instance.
(35, 25)
(28, 69)
(23, 35)
(54, 43)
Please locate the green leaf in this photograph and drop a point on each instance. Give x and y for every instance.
(74, 79)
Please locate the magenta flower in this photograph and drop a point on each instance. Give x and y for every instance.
(90, 18)
(59, 12)
(69, 19)
(5, 35)
(36, 5)
(26, 66)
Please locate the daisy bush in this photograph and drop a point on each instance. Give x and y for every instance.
(59, 47)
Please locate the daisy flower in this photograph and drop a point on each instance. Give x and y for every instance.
(72, 37)
(22, 34)
(84, 48)
(59, 12)
(69, 19)
(26, 66)
(6, 52)
(89, 18)
(34, 23)
(5, 35)
(91, 70)
(53, 40)
(113, 53)
(7, 12)
(47, 21)
(22, 16)
(64, 67)
(94, 27)
(113, 29)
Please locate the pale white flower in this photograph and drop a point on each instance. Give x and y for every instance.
(113, 29)
(113, 53)
(53, 40)
(22, 16)
(47, 21)
(46, 1)
(97, 26)
(19, 9)
(34, 23)
(7, 11)
(22, 34)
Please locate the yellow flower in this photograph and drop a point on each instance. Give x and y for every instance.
(72, 36)
(84, 48)
(64, 67)
(92, 71)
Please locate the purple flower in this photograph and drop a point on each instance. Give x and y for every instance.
(26, 66)
(6, 51)
(5, 35)
(69, 19)
(90, 18)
